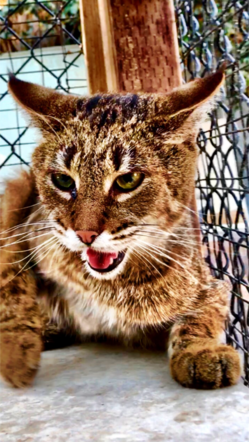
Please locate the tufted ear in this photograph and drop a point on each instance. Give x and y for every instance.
(48, 109)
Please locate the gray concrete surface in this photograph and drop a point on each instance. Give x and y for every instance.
(107, 394)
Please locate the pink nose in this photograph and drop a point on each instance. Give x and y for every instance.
(86, 236)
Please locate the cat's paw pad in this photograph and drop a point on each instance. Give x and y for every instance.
(206, 367)
(20, 356)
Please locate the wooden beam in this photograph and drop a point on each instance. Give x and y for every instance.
(146, 45)
(93, 46)
(132, 46)
(106, 24)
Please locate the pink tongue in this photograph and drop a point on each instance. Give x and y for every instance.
(98, 260)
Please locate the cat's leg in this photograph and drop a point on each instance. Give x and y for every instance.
(197, 358)
(59, 330)
(20, 327)
(55, 337)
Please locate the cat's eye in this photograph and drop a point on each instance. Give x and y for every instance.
(129, 181)
(63, 182)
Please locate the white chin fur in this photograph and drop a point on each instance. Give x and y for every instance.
(105, 275)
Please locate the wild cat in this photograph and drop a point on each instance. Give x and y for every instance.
(98, 239)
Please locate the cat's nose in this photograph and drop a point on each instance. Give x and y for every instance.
(86, 236)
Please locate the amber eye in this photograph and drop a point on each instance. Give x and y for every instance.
(63, 182)
(129, 181)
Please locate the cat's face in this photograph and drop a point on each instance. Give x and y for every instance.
(115, 173)
(116, 185)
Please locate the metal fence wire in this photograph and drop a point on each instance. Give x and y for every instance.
(40, 41)
(210, 33)
(33, 33)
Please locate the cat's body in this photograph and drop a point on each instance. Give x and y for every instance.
(110, 257)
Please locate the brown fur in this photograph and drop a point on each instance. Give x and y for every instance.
(164, 289)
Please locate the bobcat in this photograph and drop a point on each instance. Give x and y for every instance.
(98, 239)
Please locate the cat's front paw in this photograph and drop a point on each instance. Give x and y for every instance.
(20, 355)
(206, 366)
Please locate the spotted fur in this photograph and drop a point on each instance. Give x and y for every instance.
(162, 288)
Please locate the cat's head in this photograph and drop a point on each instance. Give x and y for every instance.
(115, 172)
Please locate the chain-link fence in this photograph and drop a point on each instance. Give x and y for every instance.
(40, 42)
(211, 32)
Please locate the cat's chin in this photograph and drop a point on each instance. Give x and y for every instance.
(110, 272)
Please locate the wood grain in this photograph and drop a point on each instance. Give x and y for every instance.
(146, 46)
(108, 44)
(93, 46)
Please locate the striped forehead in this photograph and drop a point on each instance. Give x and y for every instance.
(66, 157)
(116, 158)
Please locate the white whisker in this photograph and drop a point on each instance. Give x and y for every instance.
(25, 234)
(27, 224)
(147, 261)
(24, 240)
(22, 208)
(44, 256)
(31, 254)
(22, 251)
(174, 241)
(188, 208)
(153, 249)
(171, 241)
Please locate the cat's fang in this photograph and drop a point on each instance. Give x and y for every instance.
(103, 262)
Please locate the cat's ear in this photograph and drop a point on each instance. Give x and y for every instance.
(195, 93)
(181, 113)
(47, 108)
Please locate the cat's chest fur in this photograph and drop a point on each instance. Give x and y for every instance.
(85, 303)
(120, 309)
(91, 316)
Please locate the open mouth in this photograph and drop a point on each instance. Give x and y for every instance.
(104, 262)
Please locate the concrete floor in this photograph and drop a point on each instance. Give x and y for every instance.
(107, 394)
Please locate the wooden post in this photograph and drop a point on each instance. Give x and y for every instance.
(93, 46)
(132, 46)
(146, 45)
(110, 57)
